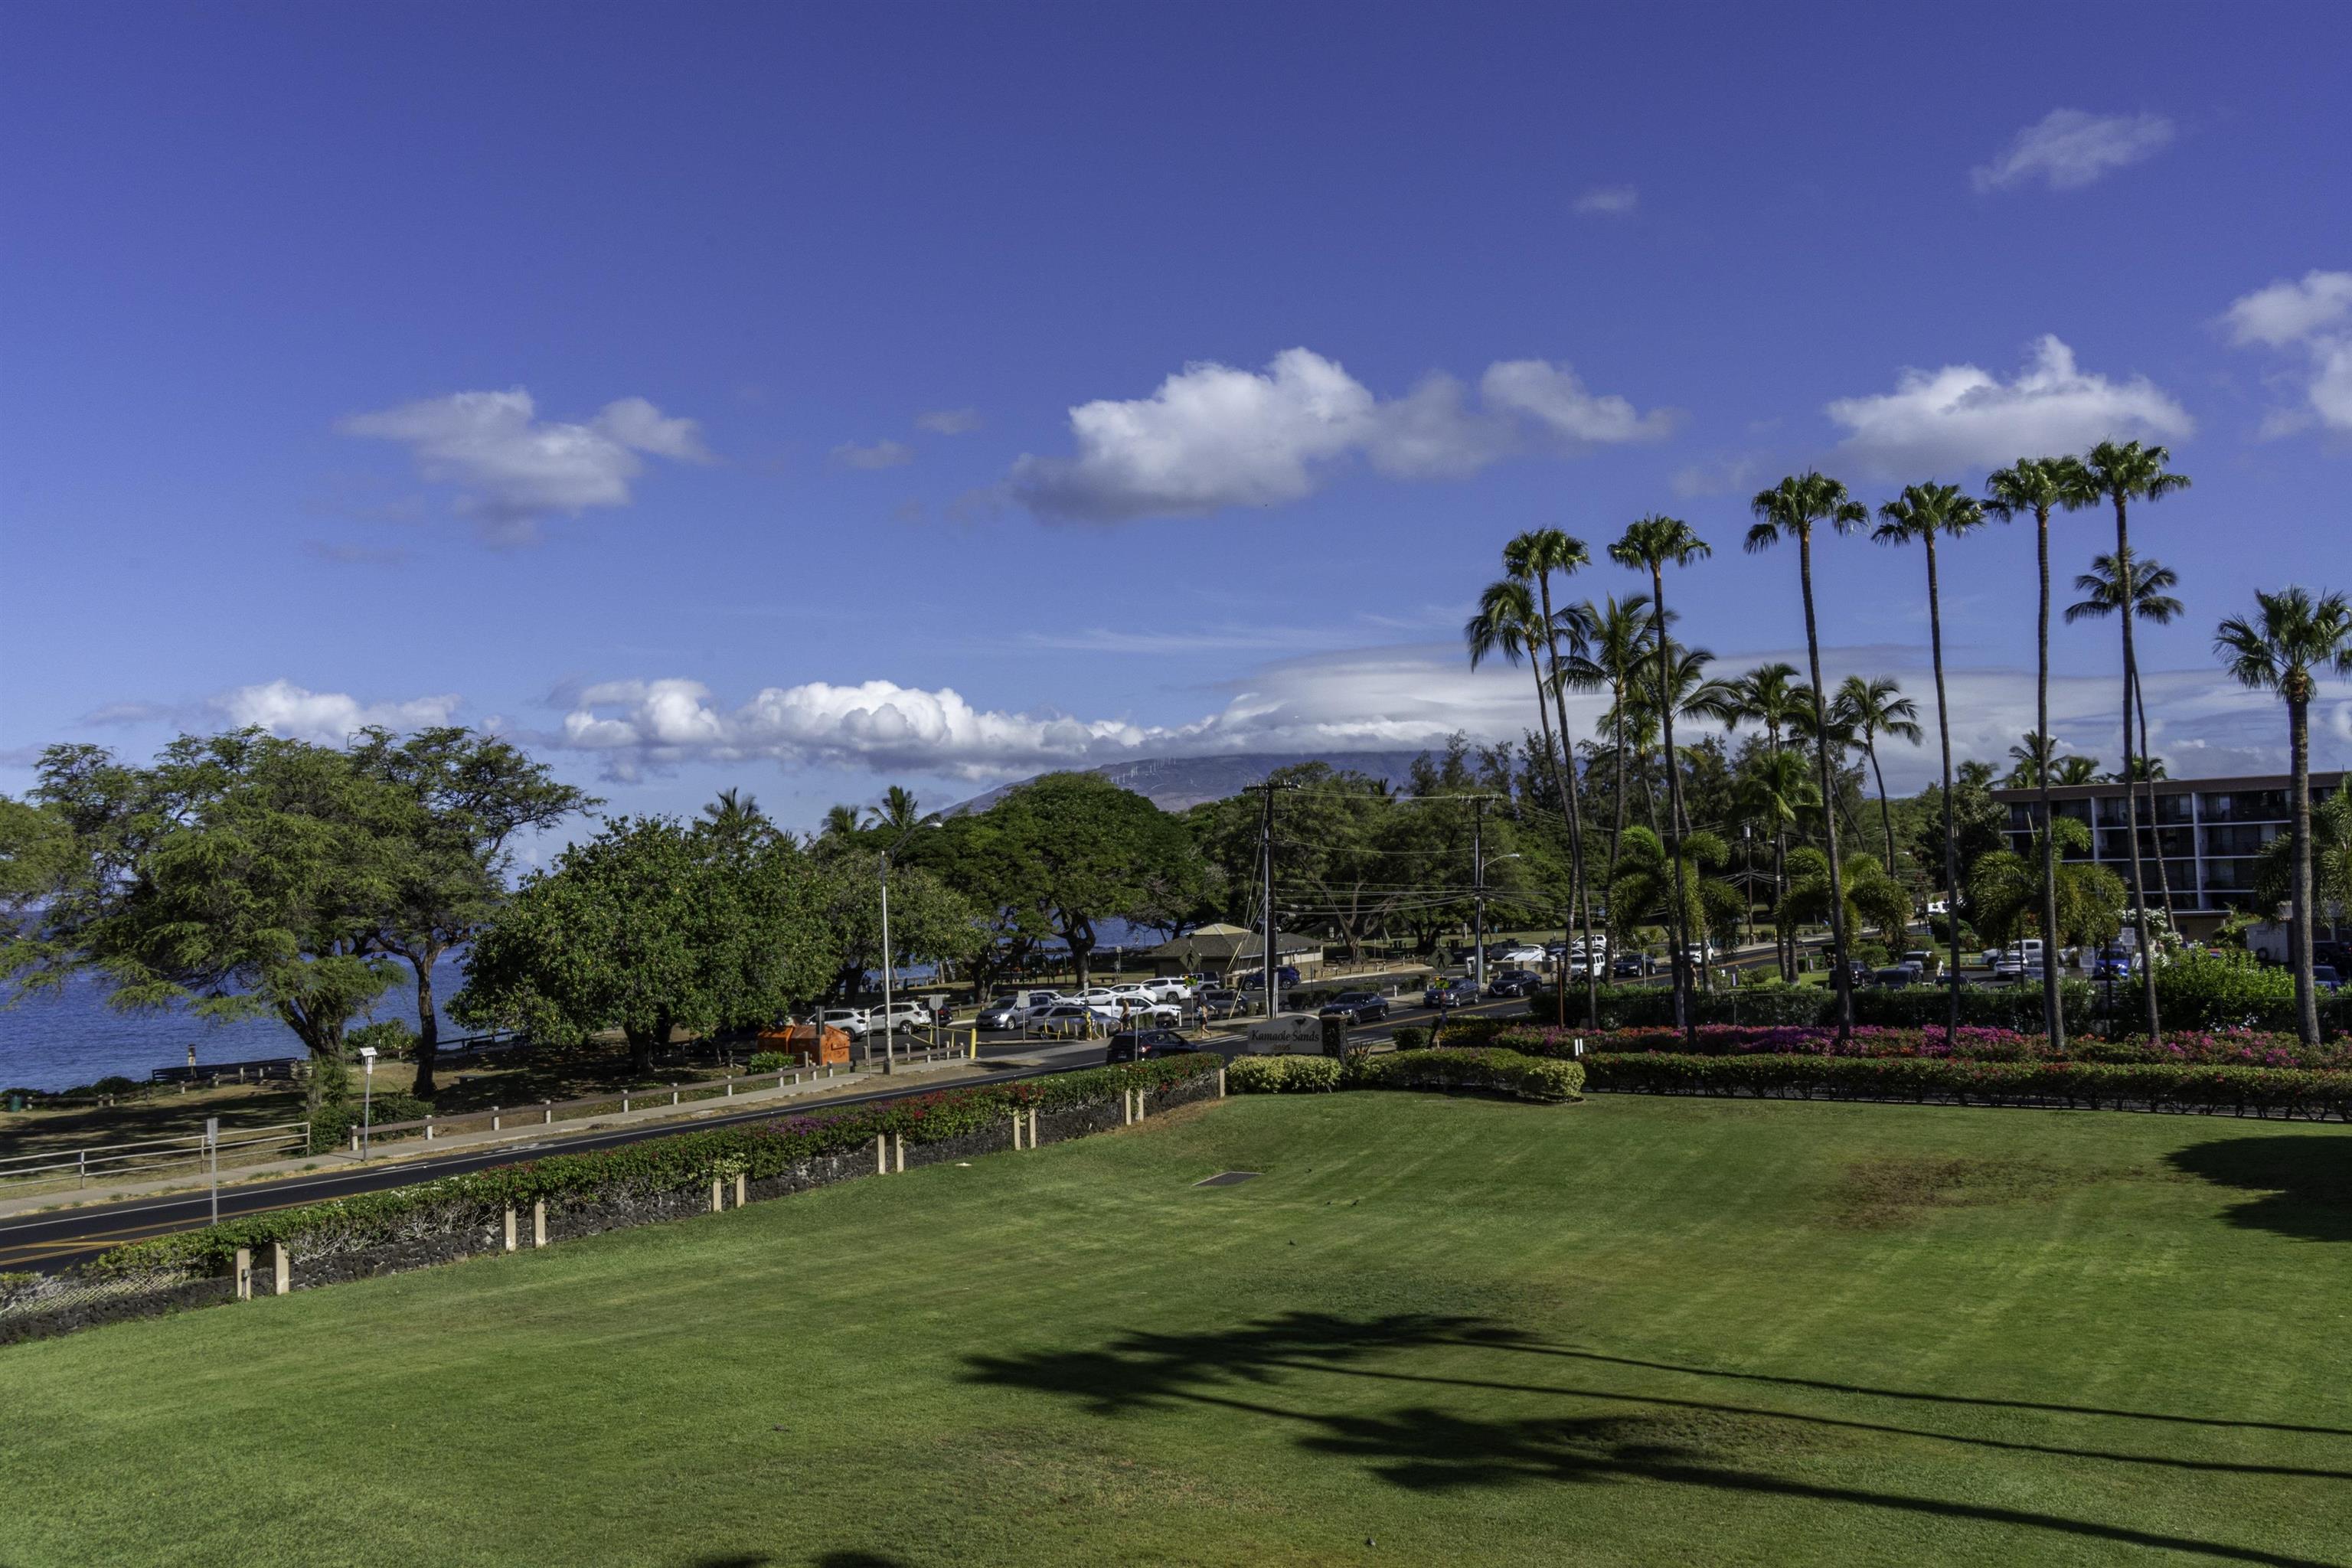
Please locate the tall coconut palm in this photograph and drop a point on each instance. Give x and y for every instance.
(2040, 486)
(1772, 696)
(1923, 513)
(1536, 556)
(2121, 473)
(2291, 638)
(2331, 859)
(1616, 631)
(1773, 792)
(1869, 708)
(1654, 877)
(1654, 544)
(842, 825)
(899, 811)
(2147, 585)
(2077, 768)
(735, 817)
(1794, 507)
(2031, 756)
(1511, 622)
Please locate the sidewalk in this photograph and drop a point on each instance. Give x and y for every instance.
(408, 1150)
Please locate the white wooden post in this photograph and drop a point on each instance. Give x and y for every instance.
(428, 1129)
(547, 1112)
(717, 1194)
(899, 1151)
(496, 1124)
(1221, 1083)
(539, 1223)
(1016, 1130)
(510, 1227)
(742, 1189)
(281, 1267)
(881, 1157)
(244, 1274)
(1033, 1127)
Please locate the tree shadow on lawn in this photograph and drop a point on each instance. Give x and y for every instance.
(2308, 1180)
(1688, 1442)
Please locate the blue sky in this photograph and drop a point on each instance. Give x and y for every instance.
(812, 399)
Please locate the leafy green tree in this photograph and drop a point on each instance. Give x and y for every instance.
(931, 921)
(1330, 846)
(651, 927)
(2293, 638)
(1652, 544)
(2040, 486)
(238, 875)
(458, 801)
(2121, 473)
(1793, 509)
(1873, 900)
(2331, 859)
(2005, 894)
(1922, 515)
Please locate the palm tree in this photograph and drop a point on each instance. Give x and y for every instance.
(1921, 513)
(1770, 695)
(2031, 756)
(1871, 897)
(1537, 554)
(1655, 877)
(1508, 621)
(898, 812)
(1794, 507)
(840, 824)
(1869, 708)
(2040, 486)
(2331, 858)
(1616, 630)
(2122, 473)
(1654, 544)
(2005, 891)
(2145, 585)
(2291, 638)
(2077, 768)
(1774, 791)
(736, 818)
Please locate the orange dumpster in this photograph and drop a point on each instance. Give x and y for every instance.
(796, 1039)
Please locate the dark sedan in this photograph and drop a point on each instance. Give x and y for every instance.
(1452, 993)
(1514, 983)
(1356, 1007)
(1630, 966)
(1146, 1045)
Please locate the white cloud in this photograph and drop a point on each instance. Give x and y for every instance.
(328, 718)
(881, 455)
(949, 421)
(2068, 149)
(1214, 436)
(1610, 199)
(2314, 314)
(512, 468)
(1960, 416)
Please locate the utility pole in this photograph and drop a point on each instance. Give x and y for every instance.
(1479, 892)
(1265, 873)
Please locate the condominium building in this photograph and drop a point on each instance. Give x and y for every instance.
(2209, 832)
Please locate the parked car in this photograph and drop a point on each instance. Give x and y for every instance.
(1356, 1007)
(1168, 988)
(1219, 1001)
(850, 1021)
(1284, 975)
(1146, 1045)
(1514, 983)
(1035, 996)
(1072, 1018)
(1002, 1012)
(1450, 994)
(1524, 953)
(900, 1015)
(2324, 977)
(1632, 965)
(1893, 977)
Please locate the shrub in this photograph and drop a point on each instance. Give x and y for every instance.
(2005, 1007)
(392, 1039)
(1282, 1075)
(1506, 1072)
(681, 1163)
(2214, 991)
(1974, 1042)
(1411, 1037)
(2320, 1095)
(771, 1062)
(331, 1129)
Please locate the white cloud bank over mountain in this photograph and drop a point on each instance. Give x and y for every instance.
(1213, 437)
(2313, 314)
(1960, 417)
(511, 469)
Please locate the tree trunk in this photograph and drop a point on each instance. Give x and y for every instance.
(2306, 1001)
(1885, 816)
(1617, 833)
(1784, 938)
(1951, 839)
(1684, 1018)
(2154, 828)
(1840, 977)
(1580, 897)
(2054, 1006)
(2124, 571)
(428, 1021)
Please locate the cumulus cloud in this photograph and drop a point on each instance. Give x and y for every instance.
(512, 469)
(328, 718)
(2313, 315)
(1960, 416)
(1608, 199)
(881, 455)
(2068, 149)
(1213, 436)
(949, 421)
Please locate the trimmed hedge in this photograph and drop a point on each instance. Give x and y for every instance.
(2187, 1048)
(2295, 1093)
(1806, 1006)
(1505, 1072)
(683, 1162)
(1282, 1075)
(332, 1128)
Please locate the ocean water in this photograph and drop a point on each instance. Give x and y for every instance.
(73, 1037)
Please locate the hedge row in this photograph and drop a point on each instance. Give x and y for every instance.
(1909, 1006)
(331, 1129)
(1505, 1072)
(2262, 1091)
(2184, 1048)
(681, 1163)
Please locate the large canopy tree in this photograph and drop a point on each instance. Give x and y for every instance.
(651, 927)
(236, 875)
(457, 800)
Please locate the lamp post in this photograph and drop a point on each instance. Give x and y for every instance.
(367, 1095)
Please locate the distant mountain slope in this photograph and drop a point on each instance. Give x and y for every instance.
(1173, 784)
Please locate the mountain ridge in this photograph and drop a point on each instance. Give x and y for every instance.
(1178, 784)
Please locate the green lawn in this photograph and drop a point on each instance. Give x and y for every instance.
(1630, 1331)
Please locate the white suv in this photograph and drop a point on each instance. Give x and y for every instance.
(901, 1015)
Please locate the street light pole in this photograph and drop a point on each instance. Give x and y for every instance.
(367, 1094)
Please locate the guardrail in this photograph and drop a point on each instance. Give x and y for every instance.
(151, 1156)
